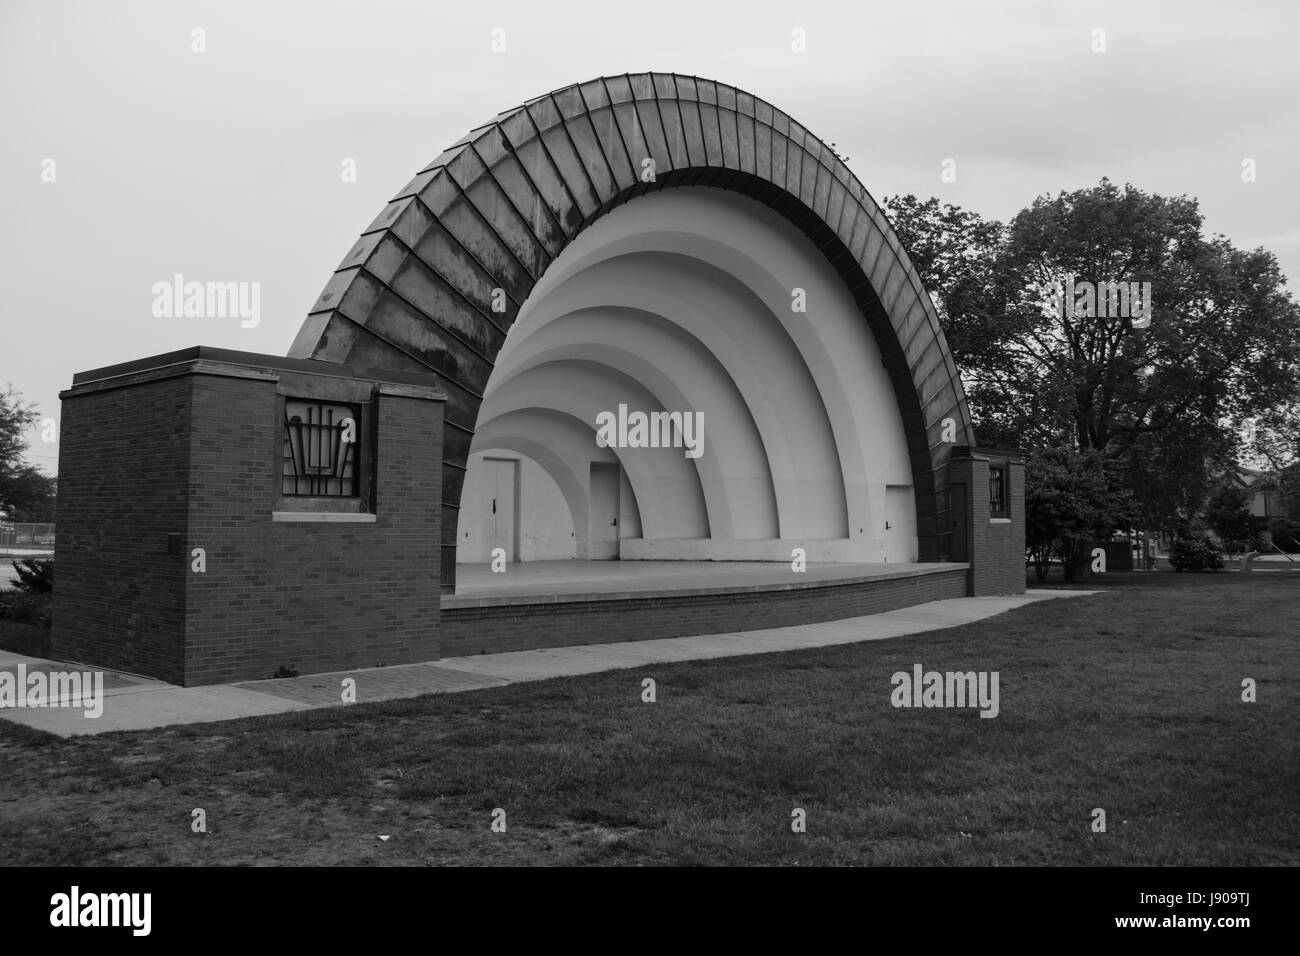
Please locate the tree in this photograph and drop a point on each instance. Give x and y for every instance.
(28, 494)
(951, 249)
(1274, 437)
(1228, 514)
(1288, 488)
(25, 493)
(15, 418)
(1072, 499)
(1046, 363)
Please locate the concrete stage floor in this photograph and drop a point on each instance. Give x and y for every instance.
(557, 581)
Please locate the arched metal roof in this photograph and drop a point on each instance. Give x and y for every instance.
(436, 280)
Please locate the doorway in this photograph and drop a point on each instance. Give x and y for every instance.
(501, 500)
(957, 500)
(900, 525)
(603, 525)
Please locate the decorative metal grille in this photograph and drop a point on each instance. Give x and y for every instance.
(997, 492)
(320, 449)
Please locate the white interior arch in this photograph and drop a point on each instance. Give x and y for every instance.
(680, 300)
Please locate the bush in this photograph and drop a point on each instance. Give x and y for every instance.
(27, 607)
(34, 576)
(24, 639)
(33, 601)
(1195, 553)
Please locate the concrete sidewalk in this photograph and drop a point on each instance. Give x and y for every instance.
(138, 703)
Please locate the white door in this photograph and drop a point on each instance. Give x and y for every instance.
(900, 525)
(502, 493)
(603, 541)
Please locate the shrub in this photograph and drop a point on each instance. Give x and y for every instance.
(34, 576)
(1195, 553)
(24, 639)
(27, 607)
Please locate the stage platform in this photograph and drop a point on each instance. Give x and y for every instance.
(563, 603)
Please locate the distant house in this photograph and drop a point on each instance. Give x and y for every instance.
(1265, 501)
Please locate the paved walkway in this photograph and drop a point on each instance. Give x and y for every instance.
(138, 703)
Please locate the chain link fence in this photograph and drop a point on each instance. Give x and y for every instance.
(24, 537)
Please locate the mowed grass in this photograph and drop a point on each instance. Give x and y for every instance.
(1129, 701)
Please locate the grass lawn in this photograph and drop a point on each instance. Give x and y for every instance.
(1128, 700)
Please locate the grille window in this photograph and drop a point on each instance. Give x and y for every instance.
(997, 493)
(321, 442)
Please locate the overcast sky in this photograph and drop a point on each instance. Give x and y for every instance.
(226, 165)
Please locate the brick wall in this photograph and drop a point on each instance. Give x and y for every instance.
(995, 548)
(119, 598)
(184, 451)
(469, 630)
(308, 594)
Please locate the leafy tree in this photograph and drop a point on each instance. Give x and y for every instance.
(1043, 368)
(16, 417)
(26, 494)
(1228, 514)
(1274, 437)
(951, 249)
(1072, 499)
(1288, 488)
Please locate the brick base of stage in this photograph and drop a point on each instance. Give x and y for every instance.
(524, 623)
(189, 548)
(179, 555)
